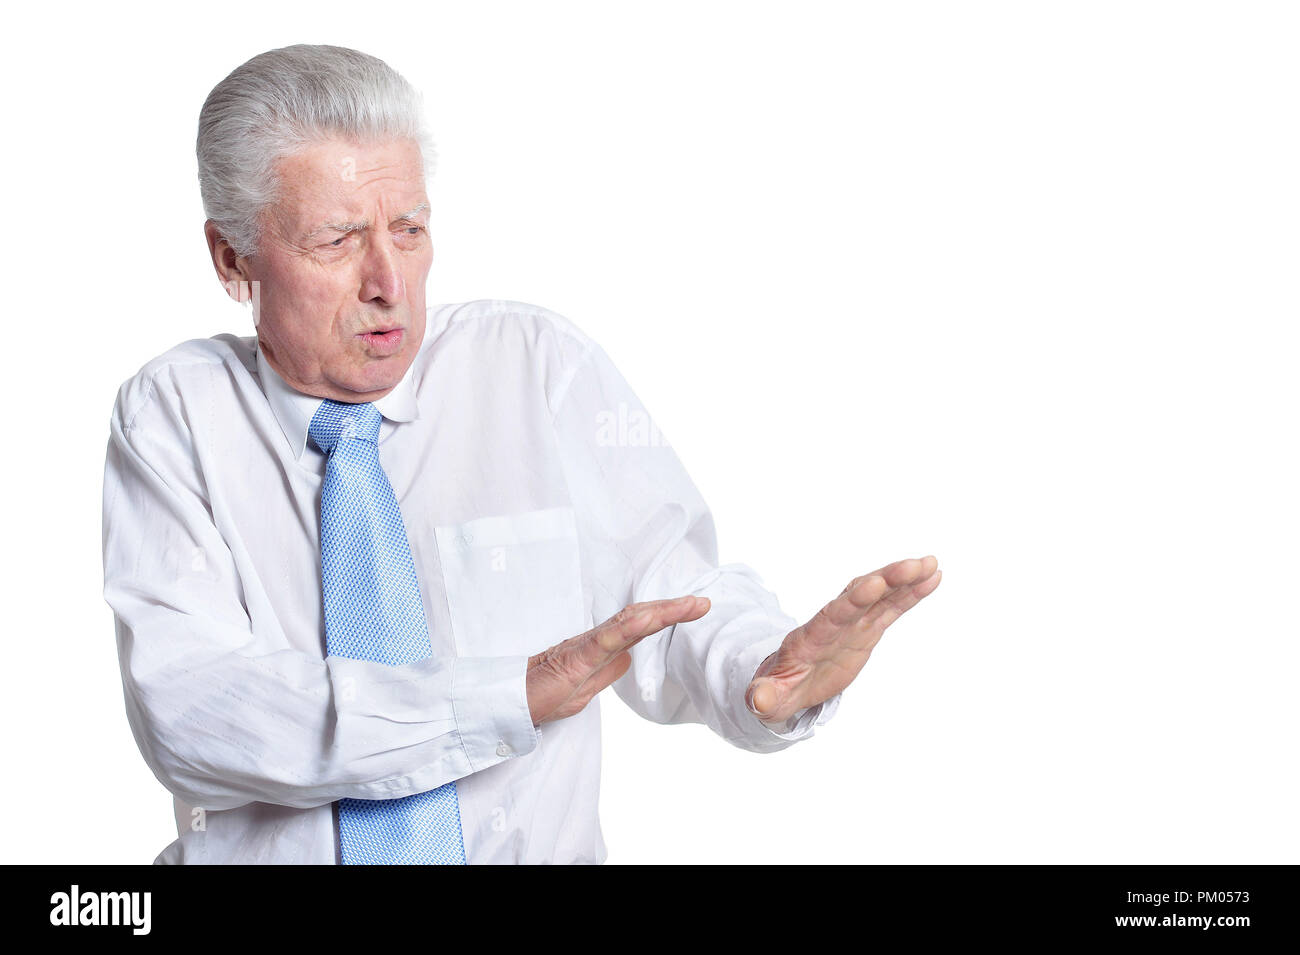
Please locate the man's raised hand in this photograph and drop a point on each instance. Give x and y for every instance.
(562, 679)
(822, 657)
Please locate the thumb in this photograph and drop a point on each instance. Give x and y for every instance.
(763, 698)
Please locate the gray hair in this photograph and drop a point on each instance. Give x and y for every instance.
(282, 100)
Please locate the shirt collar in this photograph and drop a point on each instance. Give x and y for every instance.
(294, 410)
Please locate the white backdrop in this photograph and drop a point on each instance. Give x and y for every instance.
(1010, 283)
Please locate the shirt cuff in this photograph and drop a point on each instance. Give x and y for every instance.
(800, 725)
(489, 697)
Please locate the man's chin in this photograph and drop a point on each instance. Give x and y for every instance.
(378, 376)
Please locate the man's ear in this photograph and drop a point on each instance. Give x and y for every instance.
(231, 268)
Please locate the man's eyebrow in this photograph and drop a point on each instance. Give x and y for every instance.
(422, 207)
(336, 227)
(354, 226)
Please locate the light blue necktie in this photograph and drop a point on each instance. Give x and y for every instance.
(373, 611)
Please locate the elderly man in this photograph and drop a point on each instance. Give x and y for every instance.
(357, 559)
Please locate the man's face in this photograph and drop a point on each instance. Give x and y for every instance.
(342, 264)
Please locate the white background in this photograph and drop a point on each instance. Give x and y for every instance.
(1010, 283)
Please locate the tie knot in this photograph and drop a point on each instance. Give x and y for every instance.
(335, 421)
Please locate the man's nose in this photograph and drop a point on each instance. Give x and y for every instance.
(381, 279)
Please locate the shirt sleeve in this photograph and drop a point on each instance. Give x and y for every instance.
(647, 534)
(225, 714)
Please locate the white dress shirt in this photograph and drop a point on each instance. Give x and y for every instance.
(538, 498)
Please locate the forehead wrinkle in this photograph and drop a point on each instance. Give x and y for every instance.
(314, 180)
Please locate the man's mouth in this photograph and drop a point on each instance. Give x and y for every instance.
(384, 340)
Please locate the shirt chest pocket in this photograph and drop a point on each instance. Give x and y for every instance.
(513, 581)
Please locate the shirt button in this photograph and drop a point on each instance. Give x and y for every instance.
(503, 748)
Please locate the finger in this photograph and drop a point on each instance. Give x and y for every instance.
(575, 660)
(856, 599)
(929, 585)
(864, 593)
(910, 571)
(603, 677)
(879, 583)
(898, 601)
(637, 621)
(891, 572)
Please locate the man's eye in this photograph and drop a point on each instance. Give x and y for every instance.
(413, 229)
(339, 240)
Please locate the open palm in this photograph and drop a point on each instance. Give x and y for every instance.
(822, 657)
